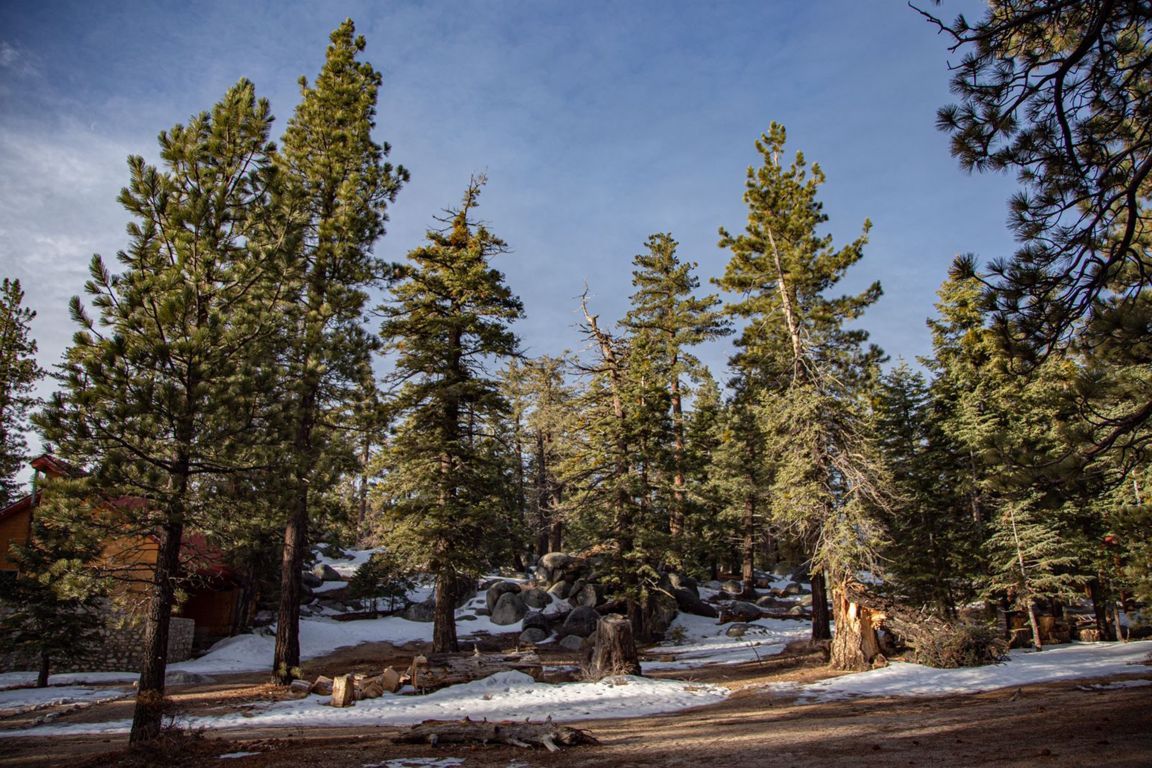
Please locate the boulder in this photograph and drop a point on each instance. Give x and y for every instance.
(663, 613)
(770, 603)
(732, 587)
(310, 580)
(497, 590)
(560, 589)
(581, 622)
(737, 630)
(533, 635)
(793, 589)
(585, 596)
(425, 611)
(536, 621)
(738, 610)
(680, 581)
(552, 565)
(536, 598)
(690, 602)
(509, 609)
(325, 572)
(572, 643)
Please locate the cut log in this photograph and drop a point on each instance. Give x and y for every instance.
(526, 734)
(343, 691)
(390, 679)
(322, 686)
(615, 650)
(440, 671)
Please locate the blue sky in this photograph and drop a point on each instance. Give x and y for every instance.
(597, 124)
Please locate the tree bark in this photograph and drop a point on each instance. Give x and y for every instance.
(444, 615)
(441, 671)
(821, 629)
(855, 646)
(748, 546)
(286, 657)
(525, 734)
(1099, 598)
(42, 673)
(146, 718)
(615, 650)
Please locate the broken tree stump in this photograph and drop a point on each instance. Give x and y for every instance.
(525, 734)
(440, 671)
(343, 691)
(615, 650)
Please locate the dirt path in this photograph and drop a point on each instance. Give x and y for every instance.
(1061, 724)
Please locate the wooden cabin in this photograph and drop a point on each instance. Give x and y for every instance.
(213, 593)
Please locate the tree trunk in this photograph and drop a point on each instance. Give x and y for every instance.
(429, 674)
(444, 615)
(146, 718)
(615, 650)
(676, 521)
(821, 629)
(855, 646)
(748, 546)
(1037, 644)
(1099, 598)
(42, 673)
(286, 657)
(525, 734)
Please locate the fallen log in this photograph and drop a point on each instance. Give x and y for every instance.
(440, 671)
(525, 734)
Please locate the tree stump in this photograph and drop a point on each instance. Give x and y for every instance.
(615, 650)
(855, 645)
(343, 691)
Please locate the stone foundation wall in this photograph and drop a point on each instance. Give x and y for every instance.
(122, 648)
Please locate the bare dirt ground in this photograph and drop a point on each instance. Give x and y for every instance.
(1063, 724)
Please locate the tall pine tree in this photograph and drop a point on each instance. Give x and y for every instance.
(159, 392)
(336, 188)
(18, 376)
(448, 317)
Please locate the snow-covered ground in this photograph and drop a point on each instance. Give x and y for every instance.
(702, 641)
(1074, 661)
(13, 702)
(504, 696)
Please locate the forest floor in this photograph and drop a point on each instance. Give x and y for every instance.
(1070, 723)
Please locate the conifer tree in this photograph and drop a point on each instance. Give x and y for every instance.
(666, 320)
(336, 188)
(806, 370)
(18, 376)
(448, 316)
(933, 541)
(54, 605)
(160, 392)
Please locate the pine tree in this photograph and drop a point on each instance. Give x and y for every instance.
(18, 376)
(1060, 93)
(54, 603)
(666, 319)
(805, 370)
(336, 188)
(448, 315)
(160, 392)
(933, 541)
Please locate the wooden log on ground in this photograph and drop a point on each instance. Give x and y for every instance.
(343, 691)
(615, 650)
(525, 734)
(440, 671)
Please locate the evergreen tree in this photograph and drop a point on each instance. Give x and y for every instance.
(933, 545)
(54, 603)
(805, 370)
(666, 319)
(18, 376)
(160, 392)
(1061, 93)
(336, 188)
(449, 314)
